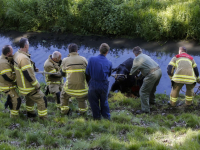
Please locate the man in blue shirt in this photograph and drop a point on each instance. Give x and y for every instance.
(99, 69)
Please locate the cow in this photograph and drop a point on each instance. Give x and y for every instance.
(124, 82)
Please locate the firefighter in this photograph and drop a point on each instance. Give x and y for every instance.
(54, 82)
(8, 82)
(99, 69)
(27, 82)
(152, 74)
(73, 67)
(186, 72)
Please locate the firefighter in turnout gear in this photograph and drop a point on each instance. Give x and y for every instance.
(186, 72)
(54, 82)
(27, 82)
(7, 81)
(73, 67)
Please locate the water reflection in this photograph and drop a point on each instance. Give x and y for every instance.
(43, 44)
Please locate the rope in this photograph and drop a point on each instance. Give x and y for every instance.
(113, 75)
(195, 93)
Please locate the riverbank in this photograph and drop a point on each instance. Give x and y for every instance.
(164, 128)
(151, 20)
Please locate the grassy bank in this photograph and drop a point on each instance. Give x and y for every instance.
(149, 19)
(164, 128)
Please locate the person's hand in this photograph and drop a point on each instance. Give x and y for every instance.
(36, 70)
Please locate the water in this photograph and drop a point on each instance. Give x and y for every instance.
(43, 44)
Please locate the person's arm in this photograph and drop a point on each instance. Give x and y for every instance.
(28, 72)
(196, 71)
(171, 67)
(87, 72)
(8, 73)
(135, 66)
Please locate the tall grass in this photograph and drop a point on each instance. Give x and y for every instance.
(149, 19)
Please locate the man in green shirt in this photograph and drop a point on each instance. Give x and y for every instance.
(152, 73)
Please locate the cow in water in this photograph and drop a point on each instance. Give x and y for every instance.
(123, 81)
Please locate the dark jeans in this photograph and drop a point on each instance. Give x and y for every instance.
(96, 97)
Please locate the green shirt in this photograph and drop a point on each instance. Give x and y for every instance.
(143, 63)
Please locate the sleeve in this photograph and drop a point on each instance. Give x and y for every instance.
(171, 66)
(135, 66)
(8, 73)
(28, 72)
(196, 71)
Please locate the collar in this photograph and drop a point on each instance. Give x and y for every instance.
(51, 60)
(27, 54)
(102, 55)
(73, 54)
(6, 57)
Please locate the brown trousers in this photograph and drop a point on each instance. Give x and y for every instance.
(175, 92)
(14, 112)
(64, 99)
(40, 99)
(53, 89)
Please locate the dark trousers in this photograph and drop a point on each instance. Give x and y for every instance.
(98, 99)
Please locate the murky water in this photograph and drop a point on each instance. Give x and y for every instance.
(43, 44)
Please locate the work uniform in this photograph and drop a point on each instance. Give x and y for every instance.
(8, 85)
(54, 82)
(186, 73)
(75, 86)
(28, 84)
(99, 69)
(152, 73)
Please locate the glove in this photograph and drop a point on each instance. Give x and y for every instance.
(47, 92)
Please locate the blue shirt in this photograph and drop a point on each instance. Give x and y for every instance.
(99, 68)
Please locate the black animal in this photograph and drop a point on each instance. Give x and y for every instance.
(123, 81)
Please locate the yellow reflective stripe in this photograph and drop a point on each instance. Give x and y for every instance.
(6, 70)
(173, 99)
(52, 71)
(79, 94)
(23, 92)
(189, 98)
(26, 89)
(22, 76)
(184, 80)
(75, 70)
(77, 91)
(64, 107)
(183, 59)
(35, 83)
(42, 112)
(7, 88)
(194, 65)
(57, 82)
(184, 76)
(30, 108)
(83, 109)
(172, 63)
(25, 67)
(14, 112)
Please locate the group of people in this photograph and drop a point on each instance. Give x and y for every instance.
(18, 73)
(86, 80)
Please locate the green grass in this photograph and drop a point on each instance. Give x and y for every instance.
(164, 128)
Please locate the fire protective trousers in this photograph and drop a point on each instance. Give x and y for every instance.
(175, 92)
(15, 102)
(40, 99)
(64, 99)
(55, 89)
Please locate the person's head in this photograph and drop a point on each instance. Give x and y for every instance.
(56, 56)
(137, 50)
(7, 50)
(73, 48)
(104, 48)
(182, 50)
(24, 44)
